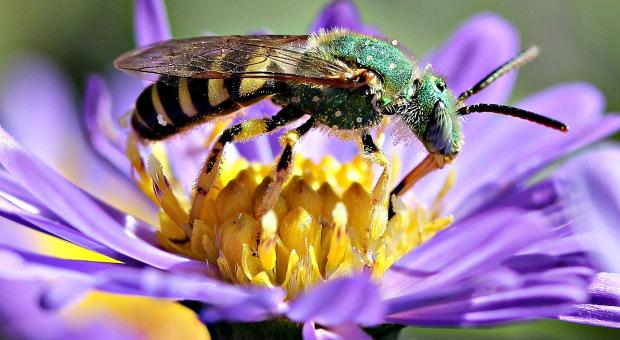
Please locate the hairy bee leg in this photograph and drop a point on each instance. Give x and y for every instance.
(243, 131)
(430, 163)
(376, 156)
(380, 190)
(283, 166)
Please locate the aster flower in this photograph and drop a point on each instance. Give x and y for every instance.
(485, 248)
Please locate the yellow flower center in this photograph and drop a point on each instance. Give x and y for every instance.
(322, 226)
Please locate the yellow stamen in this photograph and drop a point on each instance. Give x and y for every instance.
(327, 221)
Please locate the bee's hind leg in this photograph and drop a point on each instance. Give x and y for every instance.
(283, 168)
(243, 131)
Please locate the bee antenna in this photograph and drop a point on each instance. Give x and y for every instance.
(514, 112)
(512, 64)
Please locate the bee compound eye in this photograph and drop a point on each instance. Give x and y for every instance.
(441, 86)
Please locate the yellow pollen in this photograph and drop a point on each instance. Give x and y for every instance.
(325, 223)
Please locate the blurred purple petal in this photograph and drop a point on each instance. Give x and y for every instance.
(51, 104)
(22, 317)
(342, 332)
(223, 300)
(338, 302)
(123, 90)
(595, 178)
(87, 216)
(342, 14)
(36, 222)
(265, 148)
(478, 46)
(603, 308)
(150, 22)
(105, 134)
(319, 143)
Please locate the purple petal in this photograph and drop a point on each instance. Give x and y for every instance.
(22, 317)
(223, 300)
(537, 146)
(595, 315)
(485, 270)
(596, 187)
(80, 211)
(150, 22)
(342, 14)
(39, 223)
(493, 298)
(470, 246)
(603, 308)
(337, 302)
(104, 133)
(341, 332)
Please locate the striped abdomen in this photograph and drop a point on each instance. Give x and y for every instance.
(167, 108)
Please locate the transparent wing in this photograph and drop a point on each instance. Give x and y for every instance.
(282, 57)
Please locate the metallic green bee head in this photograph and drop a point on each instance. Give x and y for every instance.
(432, 112)
(441, 131)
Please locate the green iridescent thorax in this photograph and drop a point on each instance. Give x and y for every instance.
(432, 116)
(394, 68)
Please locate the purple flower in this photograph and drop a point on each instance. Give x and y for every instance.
(21, 309)
(512, 250)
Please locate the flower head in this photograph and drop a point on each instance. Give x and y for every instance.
(484, 247)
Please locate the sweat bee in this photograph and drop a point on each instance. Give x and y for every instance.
(341, 80)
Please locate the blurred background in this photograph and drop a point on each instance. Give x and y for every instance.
(579, 41)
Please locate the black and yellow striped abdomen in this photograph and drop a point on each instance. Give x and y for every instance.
(176, 104)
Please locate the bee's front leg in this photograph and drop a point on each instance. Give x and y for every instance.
(430, 163)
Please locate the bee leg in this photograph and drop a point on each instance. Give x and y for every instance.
(430, 163)
(372, 152)
(283, 168)
(243, 131)
(379, 192)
